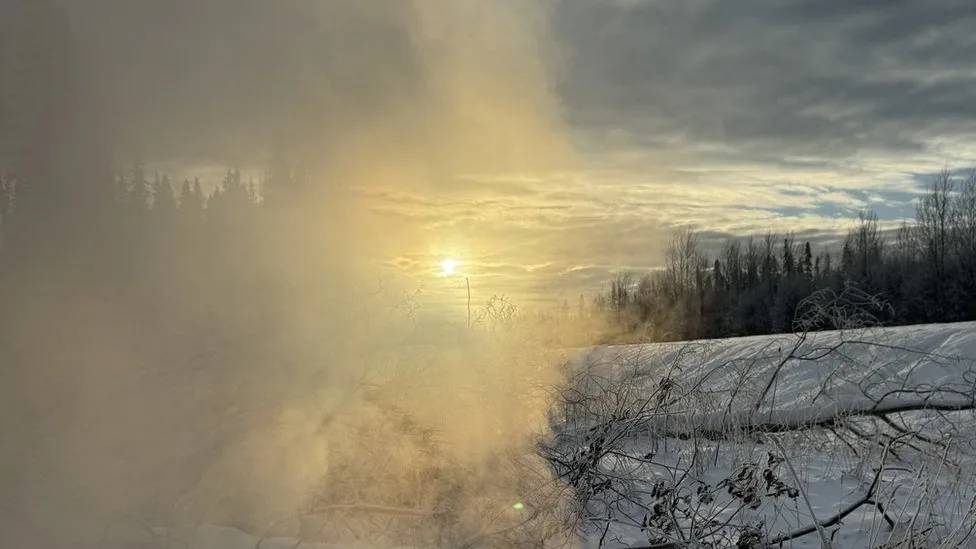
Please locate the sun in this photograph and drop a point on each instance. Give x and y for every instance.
(448, 266)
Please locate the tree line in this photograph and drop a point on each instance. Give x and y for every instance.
(924, 271)
(214, 258)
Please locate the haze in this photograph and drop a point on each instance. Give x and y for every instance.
(369, 169)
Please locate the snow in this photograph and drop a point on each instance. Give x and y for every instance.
(868, 369)
(719, 362)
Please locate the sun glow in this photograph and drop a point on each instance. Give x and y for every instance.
(448, 266)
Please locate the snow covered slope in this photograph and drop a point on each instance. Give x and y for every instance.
(930, 354)
(663, 440)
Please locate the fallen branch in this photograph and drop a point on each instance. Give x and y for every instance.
(835, 519)
(719, 426)
(824, 540)
(866, 499)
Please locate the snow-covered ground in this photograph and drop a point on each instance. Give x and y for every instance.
(804, 423)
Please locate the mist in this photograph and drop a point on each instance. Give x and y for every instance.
(183, 349)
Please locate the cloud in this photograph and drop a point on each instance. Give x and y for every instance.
(770, 79)
(570, 132)
(855, 94)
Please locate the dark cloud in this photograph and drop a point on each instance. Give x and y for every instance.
(770, 78)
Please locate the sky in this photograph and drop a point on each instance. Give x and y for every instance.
(734, 118)
(545, 145)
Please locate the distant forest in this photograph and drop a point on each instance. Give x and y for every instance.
(923, 272)
(175, 256)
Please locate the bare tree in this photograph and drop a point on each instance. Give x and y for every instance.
(864, 251)
(933, 214)
(681, 264)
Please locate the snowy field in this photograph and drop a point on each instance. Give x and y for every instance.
(858, 438)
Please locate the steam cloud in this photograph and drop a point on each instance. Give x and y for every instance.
(148, 402)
